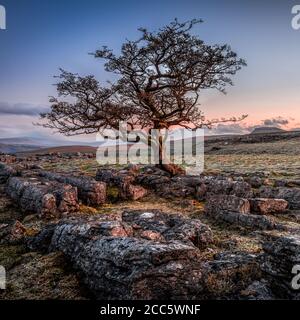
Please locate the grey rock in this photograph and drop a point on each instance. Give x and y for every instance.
(129, 191)
(281, 255)
(12, 233)
(124, 180)
(201, 191)
(291, 195)
(47, 199)
(258, 290)
(171, 226)
(91, 192)
(42, 241)
(223, 202)
(138, 255)
(256, 181)
(229, 273)
(6, 172)
(224, 185)
(248, 220)
(126, 267)
(268, 206)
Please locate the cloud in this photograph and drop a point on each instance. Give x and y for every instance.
(244, 128)
(277, 122)
(25, 109)
(233, 128)
(22, 126)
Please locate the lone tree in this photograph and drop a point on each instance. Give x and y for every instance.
(160, 77)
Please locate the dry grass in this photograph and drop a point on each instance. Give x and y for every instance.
(276, 166)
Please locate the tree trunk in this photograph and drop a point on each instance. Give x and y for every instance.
(165, 165)
(160, 150)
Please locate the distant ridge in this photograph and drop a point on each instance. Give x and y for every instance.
(43, 142)
(27, 144)
(60, 149)
(263, 130)
(14, 148)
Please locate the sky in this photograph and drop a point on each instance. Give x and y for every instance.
(43, 36)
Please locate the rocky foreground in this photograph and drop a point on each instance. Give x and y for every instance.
(139, 233)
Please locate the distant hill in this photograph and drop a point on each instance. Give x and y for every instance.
(60, 149)
(46, 142)
(14, 148)
(22, 141)
(28, 144)
(263, 130)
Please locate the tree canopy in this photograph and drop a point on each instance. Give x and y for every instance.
(160, 77)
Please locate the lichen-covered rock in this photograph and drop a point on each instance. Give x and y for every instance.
(228, 273)
(91, 192)
(129, 268)
(166, 186)
(268, 206)
(189, 181)
(230, 203)
(122, 267)
(258, 290)
(6, 172)
(44, 198)
(201, 191)
(114, 177)
(41, 242)
(151, 235)
(12, 233)
(174, 190)
(132, 192)
(281, 255)
(236, 210)
(152, 178)
(124, 180)
(291, 195)
(241, 189)
(105, 175)
(247, 220)
(222, 185)
(217, 185)
(256, 181)
(138, 255)
(287, 183)
(169, 226)
(7, 158)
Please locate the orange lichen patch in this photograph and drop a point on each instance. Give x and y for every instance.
(87, 210)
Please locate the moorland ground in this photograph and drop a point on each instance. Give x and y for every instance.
(34, 275)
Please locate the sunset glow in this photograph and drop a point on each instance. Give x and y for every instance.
(268, 88)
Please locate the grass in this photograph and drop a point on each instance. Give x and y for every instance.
(276, 166)
(10, 255)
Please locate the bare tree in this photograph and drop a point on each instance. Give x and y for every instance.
(160, 77)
